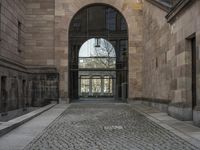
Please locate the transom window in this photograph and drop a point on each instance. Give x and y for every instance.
(97, 53)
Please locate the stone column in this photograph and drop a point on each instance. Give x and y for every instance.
(196, 111)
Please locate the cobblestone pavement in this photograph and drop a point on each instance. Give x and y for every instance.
(106, 127)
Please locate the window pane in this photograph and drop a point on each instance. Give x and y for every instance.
(108, 82)
(123, 25)
(96, 85)
(97, 63)
(123, 49)
(111, 16)
(85, 84)
(97, 48)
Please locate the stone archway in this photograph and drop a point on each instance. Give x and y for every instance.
(132, 11)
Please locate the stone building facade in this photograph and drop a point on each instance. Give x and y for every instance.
(168, 65)
(162, 34)
(22, 84)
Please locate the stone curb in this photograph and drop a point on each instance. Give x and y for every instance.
(6, 127)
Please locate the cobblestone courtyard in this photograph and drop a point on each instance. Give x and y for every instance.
(106, 127)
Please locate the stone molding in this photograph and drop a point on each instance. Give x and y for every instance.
(180, 6)
(9, 64)
(161, 5)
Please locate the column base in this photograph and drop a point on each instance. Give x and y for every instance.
(63, 100)
(196, 116)
(180, 111)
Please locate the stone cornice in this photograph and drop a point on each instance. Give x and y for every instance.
(164, 6)
(182, 4)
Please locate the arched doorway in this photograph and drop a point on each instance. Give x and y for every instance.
(97, 69)
(98, 54)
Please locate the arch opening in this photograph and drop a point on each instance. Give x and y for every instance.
(98, 54)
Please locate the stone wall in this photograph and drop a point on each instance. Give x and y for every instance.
(17, 75)
(167, 65)
(16, 92)
(12, 45)
(12, 35)
(23, 88)
(39, 32)
(157, 75)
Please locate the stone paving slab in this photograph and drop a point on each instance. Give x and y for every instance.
(107, 127)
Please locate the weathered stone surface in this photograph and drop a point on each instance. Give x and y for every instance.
(170, 79)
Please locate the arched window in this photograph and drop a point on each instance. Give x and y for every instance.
(97, 53)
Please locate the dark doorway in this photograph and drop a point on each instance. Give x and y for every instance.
(3, 94)
(98, 23)
(194, 88)
(23, 93)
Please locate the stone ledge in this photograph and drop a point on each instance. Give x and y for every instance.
(6, 127)
(181, 105)
(180, 111)
(159, 104)
(196, 116)
(154, 100)
(10, 64)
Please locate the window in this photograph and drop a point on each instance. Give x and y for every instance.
(156, 62)
(0, 21)
(123, 45)
(108, 82)
(194, 71)
(77, 24)
(165, 57)
(99, 54)
(98, 61)
(114, 44)
(3, 83)
(85, 84)
(24, 92)
(111, 18)
(123, 49)
(19, 37)
(3, 94)
(96, 85)
(123, 26)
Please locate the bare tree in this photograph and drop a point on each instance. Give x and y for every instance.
(105, 55)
